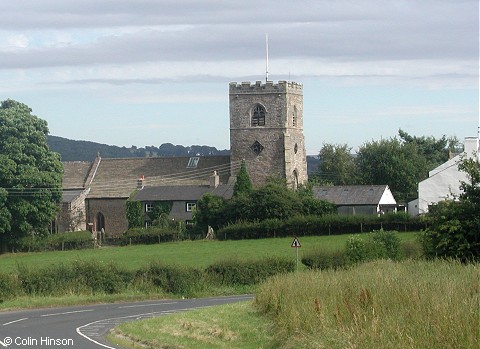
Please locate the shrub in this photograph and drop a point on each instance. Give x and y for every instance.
(249, 272)
(151, 235)
(170, 279)
(325, 259)
(56, 242)
(9, 286)
(377, 245)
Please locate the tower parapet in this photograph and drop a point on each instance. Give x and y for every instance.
(268, 87)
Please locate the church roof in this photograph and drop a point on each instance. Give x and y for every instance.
(343, 195)
(117, 178)
(75, 173)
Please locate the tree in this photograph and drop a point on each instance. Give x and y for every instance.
(388, 161)
(455, 224)
(436, 151)
(243, 185)
(337, 165)
(30, 174)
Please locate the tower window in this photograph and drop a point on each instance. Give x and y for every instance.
(258, 116)
(294, 117)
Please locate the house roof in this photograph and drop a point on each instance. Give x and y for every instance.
(75, 174)
(351, 194)
(116, 178)
(69, 195)
(182, 192)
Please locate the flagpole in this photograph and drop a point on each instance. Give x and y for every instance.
(266, 63)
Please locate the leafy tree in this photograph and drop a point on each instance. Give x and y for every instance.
(209, 212)
(455, 224)
(436, 151)
(243, 185)
(337, 165)
(388, 161)
(30, 174)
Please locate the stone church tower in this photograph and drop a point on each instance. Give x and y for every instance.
(266, 130)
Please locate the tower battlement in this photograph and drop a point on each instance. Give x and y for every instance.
(268, 87)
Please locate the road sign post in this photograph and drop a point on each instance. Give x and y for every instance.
(296, 245)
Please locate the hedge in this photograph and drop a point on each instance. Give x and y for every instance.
(74, 240)
(320, 225)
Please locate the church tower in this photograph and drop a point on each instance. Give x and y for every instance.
(266, 130)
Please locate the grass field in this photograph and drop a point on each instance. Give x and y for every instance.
(382, 304)
(187, 253)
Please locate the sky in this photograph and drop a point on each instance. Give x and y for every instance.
(147, 72)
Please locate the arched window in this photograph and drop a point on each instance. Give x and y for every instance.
(258, 115)
(100, 221)
(295, 180)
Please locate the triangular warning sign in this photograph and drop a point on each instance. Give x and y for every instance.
(296, 243)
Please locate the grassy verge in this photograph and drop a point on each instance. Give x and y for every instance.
(382, 304)
(235, 326)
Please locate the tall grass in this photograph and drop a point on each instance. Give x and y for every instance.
(382, 304)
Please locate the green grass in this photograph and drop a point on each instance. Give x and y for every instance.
(187, 253)
(233, 326)
(382, 304)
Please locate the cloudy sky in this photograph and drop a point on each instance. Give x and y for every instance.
(147, 72)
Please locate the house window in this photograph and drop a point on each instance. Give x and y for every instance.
(148, 207)
(191, 206)
(193, 162)
(148, 224)
(258, 116)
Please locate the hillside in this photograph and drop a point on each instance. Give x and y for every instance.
(72, 150)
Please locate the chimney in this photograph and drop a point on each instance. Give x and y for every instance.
(214, 180)
(140, 183)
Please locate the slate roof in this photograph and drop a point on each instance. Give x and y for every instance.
(69, 195)
(349, 195)
(75, 174)
(117, 178)
(182, 192)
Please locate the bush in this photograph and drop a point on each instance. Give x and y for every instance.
(170, 279)
(377, 245)
(151, 235)
(325, 259)
(249, 272)
(9, 286)
(56, 242)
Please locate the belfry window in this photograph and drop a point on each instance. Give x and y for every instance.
(258, 115)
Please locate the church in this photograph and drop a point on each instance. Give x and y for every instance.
(266, 132)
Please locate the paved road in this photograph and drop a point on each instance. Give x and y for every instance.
(85, 327)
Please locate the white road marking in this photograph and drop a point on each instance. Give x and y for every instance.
(146, 305)
(12, 322)
(3, 344)
(68, 312)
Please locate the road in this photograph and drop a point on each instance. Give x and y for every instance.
(84, 327)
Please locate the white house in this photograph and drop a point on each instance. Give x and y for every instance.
(443, 181)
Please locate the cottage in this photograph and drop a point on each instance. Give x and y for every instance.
(358, 199)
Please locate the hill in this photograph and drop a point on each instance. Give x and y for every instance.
(73, 150)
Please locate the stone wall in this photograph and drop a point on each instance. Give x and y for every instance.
(114, 212)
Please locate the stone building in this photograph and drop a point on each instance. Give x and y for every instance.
(266, 131)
